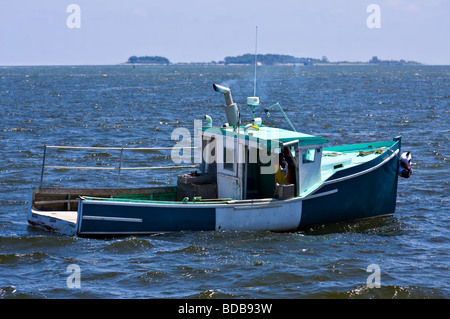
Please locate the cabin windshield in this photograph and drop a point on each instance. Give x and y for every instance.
(309, 156)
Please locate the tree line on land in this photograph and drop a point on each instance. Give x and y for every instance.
(148, 60)
(267, 59)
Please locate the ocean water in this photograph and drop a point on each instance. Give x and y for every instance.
(140, 107)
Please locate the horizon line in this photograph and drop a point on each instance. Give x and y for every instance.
(340, 63)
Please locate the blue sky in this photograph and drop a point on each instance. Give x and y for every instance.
(36, 32)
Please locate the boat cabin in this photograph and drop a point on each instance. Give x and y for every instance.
(254, 161)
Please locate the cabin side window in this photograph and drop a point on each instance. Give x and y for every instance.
(209, 156)
(309, 156)
(228, 159)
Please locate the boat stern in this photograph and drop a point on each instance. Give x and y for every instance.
(63, 222)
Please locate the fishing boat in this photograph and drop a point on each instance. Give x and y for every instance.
(248, 176)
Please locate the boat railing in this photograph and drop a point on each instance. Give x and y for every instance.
(119, 168)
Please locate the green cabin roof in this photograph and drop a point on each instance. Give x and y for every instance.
(268, 134)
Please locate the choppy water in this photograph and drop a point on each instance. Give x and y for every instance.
(122, 106)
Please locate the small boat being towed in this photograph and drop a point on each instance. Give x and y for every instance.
(251, 177)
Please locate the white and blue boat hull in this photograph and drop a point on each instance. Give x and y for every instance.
(365, 191)
(358, 192)
(96, 217)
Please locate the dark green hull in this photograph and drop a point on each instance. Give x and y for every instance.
(364, 191)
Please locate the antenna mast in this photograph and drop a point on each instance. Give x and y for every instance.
(253, 101)
(256, 51)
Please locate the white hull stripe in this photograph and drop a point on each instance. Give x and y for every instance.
(247, 207)
(321, 194)
(114, 219)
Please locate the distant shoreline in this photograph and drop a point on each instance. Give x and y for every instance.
(265, 59)
(279, 64)
(208, 64)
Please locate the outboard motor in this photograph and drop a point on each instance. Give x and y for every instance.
(231, 108)
(404, 169)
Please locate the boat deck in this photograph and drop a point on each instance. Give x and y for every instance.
(342, 157)
(64, 222)
(68, 216)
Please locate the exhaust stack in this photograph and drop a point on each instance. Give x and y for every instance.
(225, 91)
(231, 108)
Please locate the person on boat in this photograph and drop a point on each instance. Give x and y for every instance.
(286, 171)
(291, 164)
